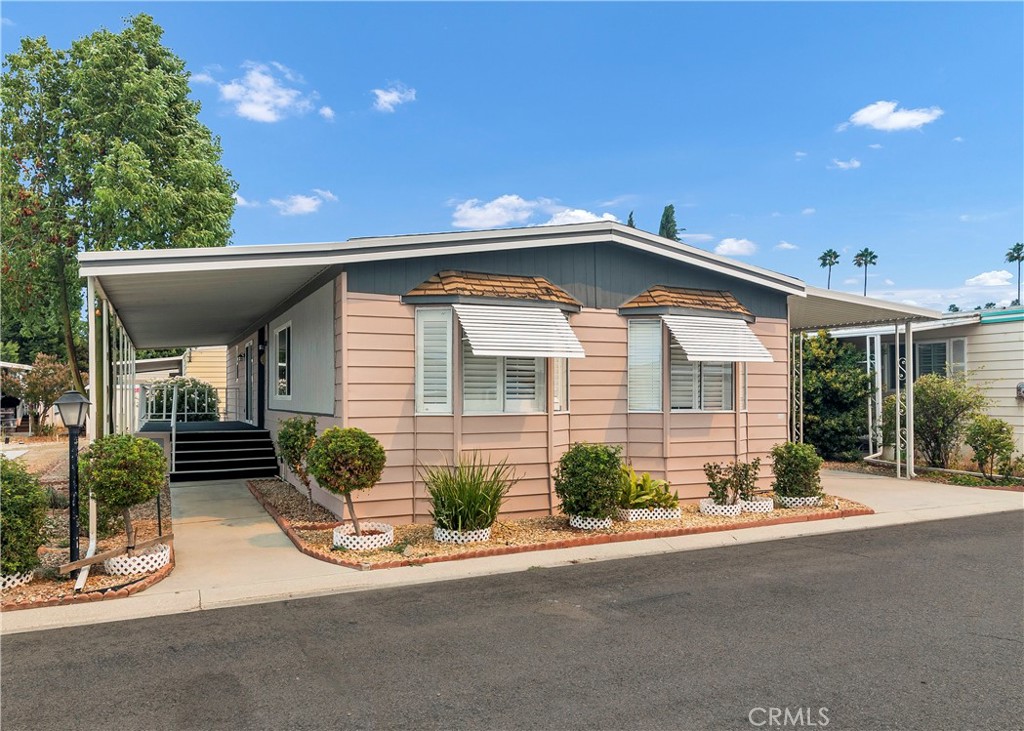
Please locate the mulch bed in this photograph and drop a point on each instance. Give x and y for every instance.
(415, 545)
(48, 588)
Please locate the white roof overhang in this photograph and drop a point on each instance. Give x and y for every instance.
(717, 339)
(823, 309)
(524, 332)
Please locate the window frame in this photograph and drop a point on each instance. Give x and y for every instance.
(287, 363)
(950, 367)
(735, 368)
(422, 315)
(501, 388)
(660, 370)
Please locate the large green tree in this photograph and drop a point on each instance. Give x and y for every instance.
(668, 227)
(836, 388)
(1016, 255)
(102, 150)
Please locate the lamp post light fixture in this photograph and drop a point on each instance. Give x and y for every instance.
(73, 407)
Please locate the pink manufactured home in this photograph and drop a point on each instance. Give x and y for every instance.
(514, 343)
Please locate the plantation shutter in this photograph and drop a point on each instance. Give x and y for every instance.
(524, 384)
(644, 364)
(433, 361)
(716, 386)
(931, 358)
(481, 381)
(958, 357)
(683, 379)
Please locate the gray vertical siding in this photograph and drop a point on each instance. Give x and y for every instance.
(312, 368)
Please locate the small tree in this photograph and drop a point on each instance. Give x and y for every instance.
(865, 258)
(44, 384)
(589, 480)
(992, 442)
(797, 469)
(728, 483)
(943, 407)
(22, 519)
(294, 439)
(836, 387)
(123, 471)
(345, 460)
(1016, 256)
(828, 259)
(629, 221)
(668, 227)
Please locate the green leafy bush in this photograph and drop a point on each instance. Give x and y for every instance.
(730, 482)
(344, 460)
(123, 471)
(797, 469)
(22, 519)
(295, 437)
(644, 492)
(992, 442)
(56, 499)
(589, 480)
(467, 496)
(197, 400)
(943, 408)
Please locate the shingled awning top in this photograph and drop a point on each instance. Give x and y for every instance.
(689, 299)
(497, 286)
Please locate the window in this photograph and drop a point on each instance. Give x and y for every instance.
(699, 386)
(283, 361)
(560, 384)
(501, 384)
(942, 357)
(433, 360)
(644, 365)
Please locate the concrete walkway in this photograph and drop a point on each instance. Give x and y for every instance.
(229, 552)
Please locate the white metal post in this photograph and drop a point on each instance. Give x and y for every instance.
(898, 446)
(90, 290)
(868, 362)
(878, 389)
(909, 339)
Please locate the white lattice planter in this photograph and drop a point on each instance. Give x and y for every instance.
(444, 535)
(345, 536)
(800, 502)
(631, 515)
(143, 562)
(13, 581)
(710, 507)
(578, 521)
(758, 505)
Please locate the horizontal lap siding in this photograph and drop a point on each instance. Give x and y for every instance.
(995, 362)
(597, 383)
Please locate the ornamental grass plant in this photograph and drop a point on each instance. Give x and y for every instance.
(467, 496)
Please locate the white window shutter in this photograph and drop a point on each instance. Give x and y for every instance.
(481, 381)
(434, 360)
(683, 379)
(716, 386)
(560, 383)
(524, 384)
(644, 387)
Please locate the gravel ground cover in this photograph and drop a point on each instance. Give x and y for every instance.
(416, 541)
(923, 475)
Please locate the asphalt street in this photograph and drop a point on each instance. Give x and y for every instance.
(913, 627)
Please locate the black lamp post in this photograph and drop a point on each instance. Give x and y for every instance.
(73, 408)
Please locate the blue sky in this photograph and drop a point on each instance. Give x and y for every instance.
(777, 130)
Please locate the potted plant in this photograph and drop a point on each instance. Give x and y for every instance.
(465, 498)
(294, 439)
(588, 481)
(797, 475)
(730, 486)
(745, 477)
(645, 498)
(123, 471)
(343, 461)
(22, 521)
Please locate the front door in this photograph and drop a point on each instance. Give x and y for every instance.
(250, 389)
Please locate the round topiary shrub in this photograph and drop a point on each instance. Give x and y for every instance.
(797, 470)
(22, 519)
(122, 471)
(345, 460)
(589, 480)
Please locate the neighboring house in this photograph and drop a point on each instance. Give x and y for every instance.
(12, 409)
(986, 346)
(514, 343)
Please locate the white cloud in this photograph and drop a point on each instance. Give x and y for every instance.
(696, 238)
(618, 200)
(966, 297)
(6, 21)
(245, 203)
(577, 215)
(995, 278)
(395, 94)
(301, 205)
(958, 138)
(786, 246)
(884, 116)
(776, 214)
(851, 280)
(875, 146)
(808, 212)
(852, 164)
(327, 113)
(799, 155)
(889, 282)
(736, 247)
(501, 211)
(260, 95)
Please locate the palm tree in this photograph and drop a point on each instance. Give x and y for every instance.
(865, 258)
(1016, 254)
(829, 259)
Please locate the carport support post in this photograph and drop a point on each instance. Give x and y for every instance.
(897, 370)
(909, 338)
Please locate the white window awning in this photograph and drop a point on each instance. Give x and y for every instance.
(518, 331)
(717, 339)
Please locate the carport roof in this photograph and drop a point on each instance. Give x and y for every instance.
(826, 309)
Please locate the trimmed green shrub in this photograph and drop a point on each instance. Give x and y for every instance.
(797, 469)
(295, 437)
(992, 442)
(644, 492)
(730, 482)
(197, 399)
(943, 408)
(589, 480)
(344, 460)
(123, 471)
(57, 499)
(22, 518)
(467, 496)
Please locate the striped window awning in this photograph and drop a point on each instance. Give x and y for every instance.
(518, 331)
(717, 339)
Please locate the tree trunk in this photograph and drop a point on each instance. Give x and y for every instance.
(829, 285)
(65, 316)
(352, 513)
(129, 530)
